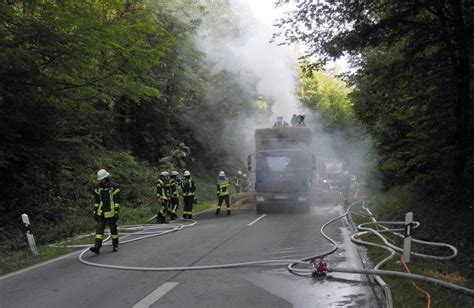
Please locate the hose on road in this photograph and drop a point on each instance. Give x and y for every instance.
(362, 230)
(151, 230)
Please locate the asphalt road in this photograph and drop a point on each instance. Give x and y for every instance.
(213, 240)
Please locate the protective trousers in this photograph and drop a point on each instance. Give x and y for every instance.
(225, 198)
(188, 207)
(163, 215)
(174, 207)
(100, 228)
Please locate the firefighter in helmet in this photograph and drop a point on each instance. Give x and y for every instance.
(106, 210)
(223, 193)
(163, 195)
(174, 183)
(245, 183)
(189, 195)
(238, 182)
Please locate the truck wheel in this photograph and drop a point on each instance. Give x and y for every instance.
(261, 209)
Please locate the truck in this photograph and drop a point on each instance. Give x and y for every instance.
(284, 167)
(331, 172)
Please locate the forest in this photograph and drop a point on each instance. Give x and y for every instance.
(134, 87)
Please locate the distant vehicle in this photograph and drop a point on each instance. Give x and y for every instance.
(284, 167)
(331, 174)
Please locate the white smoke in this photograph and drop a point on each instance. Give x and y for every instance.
(251, 54)
(261, 68)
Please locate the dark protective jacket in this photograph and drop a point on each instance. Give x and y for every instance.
(162, 190)
(188, 187)
(107, 200)
(238, 181)
(173, 184)
(223, 186)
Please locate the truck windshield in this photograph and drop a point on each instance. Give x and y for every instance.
(282, 162)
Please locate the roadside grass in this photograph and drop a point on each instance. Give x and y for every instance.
(405, 295)
(18, 259)
(15, 259)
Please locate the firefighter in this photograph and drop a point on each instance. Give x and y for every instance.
(174, 183)
(223, 193)
(300, 121)
(189, 195)
(162, 192)
(238, 182)
(280, 122)
(106, 210)
(293, 120)
(245, 183)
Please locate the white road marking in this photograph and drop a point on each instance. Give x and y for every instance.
(155, 295)
(257, 220)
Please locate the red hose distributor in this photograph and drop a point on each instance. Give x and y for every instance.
(319, 269)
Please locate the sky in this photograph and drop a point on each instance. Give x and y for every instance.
(267, 13)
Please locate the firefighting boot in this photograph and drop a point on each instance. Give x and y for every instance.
(228, 212)
(160, 218)
(218, 211)
(97, 245)
(115, 242)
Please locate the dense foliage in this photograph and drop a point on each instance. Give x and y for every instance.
(103, 84)
(413, 92)
(413, 88)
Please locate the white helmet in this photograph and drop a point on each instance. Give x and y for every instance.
(102, 174)
(245, 175)
(165, 174)
(239, 173)
(187, 173)
(174, 172)
(222, 173)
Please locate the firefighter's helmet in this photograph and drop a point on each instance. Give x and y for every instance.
(102, 174)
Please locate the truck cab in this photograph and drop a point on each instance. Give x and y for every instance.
(284, 168)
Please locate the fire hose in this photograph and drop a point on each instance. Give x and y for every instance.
(391, 248)
(150, 230)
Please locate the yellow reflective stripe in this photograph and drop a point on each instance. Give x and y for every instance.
(99, 236)
(115, 191)
(99, 209)
(115, 236)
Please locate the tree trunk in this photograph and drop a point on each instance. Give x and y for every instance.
(462, 38)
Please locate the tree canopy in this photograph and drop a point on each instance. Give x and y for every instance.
(413, 88)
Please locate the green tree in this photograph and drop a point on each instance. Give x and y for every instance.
(414, 86)
(326, 95)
